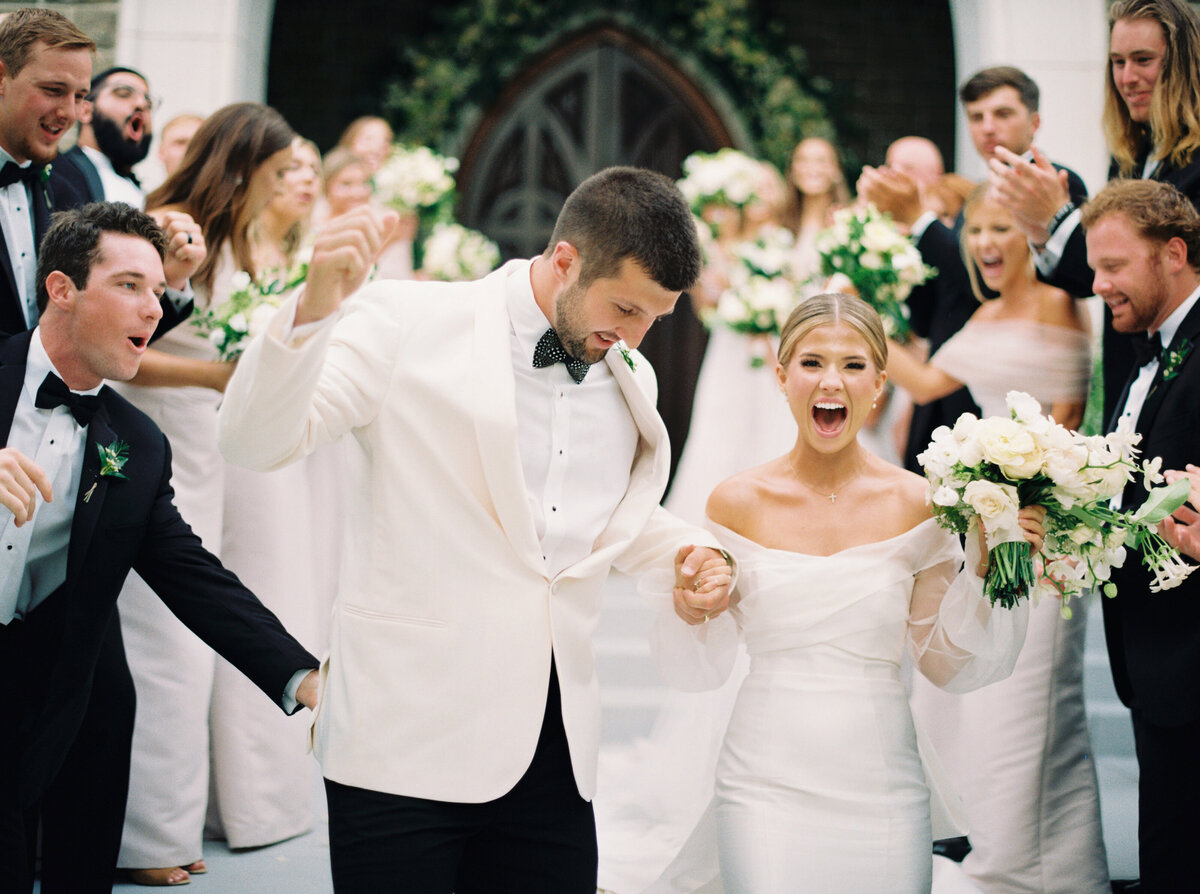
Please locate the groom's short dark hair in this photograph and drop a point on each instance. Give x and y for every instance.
(72, 244)
(635, 214)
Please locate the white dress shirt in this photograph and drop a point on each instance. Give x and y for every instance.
(35, 554)
(16, 217)
(577, 442)
(116, 187)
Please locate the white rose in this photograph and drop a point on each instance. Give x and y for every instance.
(1022, 407)
(239, 323)
(240, 281)
(945, 496)
(878, 236)
(870, 260)
(260, 318)
(990, 500)
(1011, 447)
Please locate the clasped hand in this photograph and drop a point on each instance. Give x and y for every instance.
(702, 582)
(21, 480)
(1032, 520)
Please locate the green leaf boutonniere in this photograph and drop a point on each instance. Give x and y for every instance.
(628, 355)
(112, 461)
(1173, 360)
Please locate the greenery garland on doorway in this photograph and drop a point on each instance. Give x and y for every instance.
(456, 72)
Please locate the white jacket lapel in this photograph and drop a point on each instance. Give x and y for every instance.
(496, 425)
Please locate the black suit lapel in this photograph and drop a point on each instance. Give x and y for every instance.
(43, 203)
(1184, 343)
(13, 352)
(11, 281)
(92, 488)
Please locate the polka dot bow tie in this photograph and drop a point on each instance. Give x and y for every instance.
(550, 351)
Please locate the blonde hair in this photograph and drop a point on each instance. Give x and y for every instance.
(1174, 124)
(839, 191)
(829, 309)
(978, 196)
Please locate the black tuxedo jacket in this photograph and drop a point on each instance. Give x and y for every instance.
(130, 523)
(1154, 638)
(1075, 276)
(74, 169)
(940, 308)
(48, 197)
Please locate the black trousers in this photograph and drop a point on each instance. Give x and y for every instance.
(82, 812)
(1168, 792)
(539, 838)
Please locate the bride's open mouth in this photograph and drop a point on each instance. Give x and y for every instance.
(991, 266)
(829, 416)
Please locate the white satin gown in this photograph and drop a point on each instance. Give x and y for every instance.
(823, 783)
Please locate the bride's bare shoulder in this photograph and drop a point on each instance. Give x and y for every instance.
(738, 499)
(902, 492)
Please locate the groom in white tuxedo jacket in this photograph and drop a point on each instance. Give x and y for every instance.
(505, 453)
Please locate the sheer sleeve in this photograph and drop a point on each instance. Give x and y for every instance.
(691, 657)
(956, 638)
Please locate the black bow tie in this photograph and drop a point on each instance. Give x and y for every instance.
(53, 392)
(12, 173)
(550, 351)
(1146, 348)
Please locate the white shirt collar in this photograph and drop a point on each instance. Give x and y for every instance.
(38, 363)
(5, 157)
(528, 321)
(1166, 332)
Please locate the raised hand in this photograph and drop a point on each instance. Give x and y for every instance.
(702, 583)
(1032, 191)
(342, 257)
(185, 248)
(21, 480)
(893, 192)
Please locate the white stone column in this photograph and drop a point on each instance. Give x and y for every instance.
(198, 55)
(1061, 44)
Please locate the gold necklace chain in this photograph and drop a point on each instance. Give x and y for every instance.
(832, 496)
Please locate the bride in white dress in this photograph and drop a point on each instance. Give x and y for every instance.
(821, 784)
(1018, 752)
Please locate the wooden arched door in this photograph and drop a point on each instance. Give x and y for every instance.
(601, 98)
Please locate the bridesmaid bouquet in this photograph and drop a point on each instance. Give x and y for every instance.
(453, 253)
(864, 246)
(762, 289)
(724, 177)
(415, 179)
(986, 469)
(247, 311)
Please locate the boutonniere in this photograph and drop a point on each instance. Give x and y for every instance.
(112, 461)
(45, 178)
(45, 173)
(628, 355)
(1173, 360)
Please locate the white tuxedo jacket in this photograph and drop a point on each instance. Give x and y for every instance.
(442, 631)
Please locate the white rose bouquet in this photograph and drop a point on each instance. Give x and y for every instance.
(984, 470)
(762, 289)
(247, 311)
(864, 245)
(724, 177)
(454, 253)
(414, 179)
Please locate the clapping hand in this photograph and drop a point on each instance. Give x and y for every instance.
(342, 257)
(893, 192)
(1179, 529)
(702, 582)
(21, 480)
(1032, 191)
(185, 248)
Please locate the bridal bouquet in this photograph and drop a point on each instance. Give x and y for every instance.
(247, 311)
(724, 177)
(762, 289)
(986, 469)
(415, 179)
(864, 245)
(454, 253)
